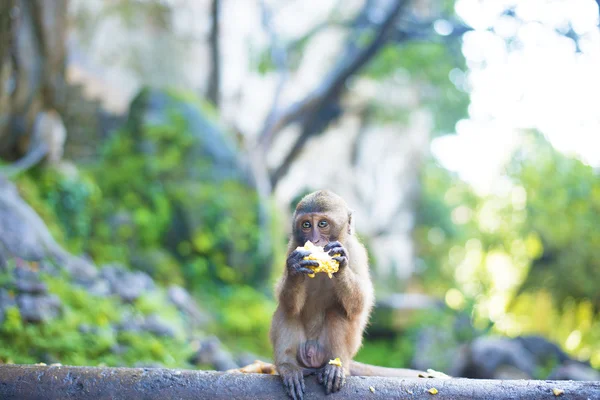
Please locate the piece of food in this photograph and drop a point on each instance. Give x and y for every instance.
(336, 361)
(431, 373)
(326, 262)
(433, 391)
(372, 389)
(557, 392)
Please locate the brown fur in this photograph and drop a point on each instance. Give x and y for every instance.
(320, 319)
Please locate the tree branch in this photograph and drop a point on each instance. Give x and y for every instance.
(214, 78)
(279, 58)
(329, 92)
(58, 382)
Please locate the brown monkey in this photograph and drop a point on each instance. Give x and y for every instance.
(320, 319)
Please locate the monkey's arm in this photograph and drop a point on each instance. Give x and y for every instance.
(352, 284)
(351, 292)
(292, 293)
(291, 290)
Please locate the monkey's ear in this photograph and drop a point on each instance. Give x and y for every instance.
(349, 222)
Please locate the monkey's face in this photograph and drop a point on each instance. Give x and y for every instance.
(319, 228)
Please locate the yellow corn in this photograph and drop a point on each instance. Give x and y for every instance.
(326, 263)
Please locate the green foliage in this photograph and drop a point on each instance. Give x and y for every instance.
(243, 318)
(223, 234)
(563, 199)
(427, 64)
(397, 352)
(394, 353)
(32, 194)
(85, 333)
(525, 257)
(436, 234)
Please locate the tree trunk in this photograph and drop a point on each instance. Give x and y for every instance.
(32, 68)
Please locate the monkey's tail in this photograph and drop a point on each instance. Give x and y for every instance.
(360, 369)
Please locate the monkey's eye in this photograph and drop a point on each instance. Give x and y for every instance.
(323, 224)
(306, 225)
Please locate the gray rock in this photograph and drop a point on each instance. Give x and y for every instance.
(118, 349)
(131, 322)
(38, 309)
(99, 287)
(187, 305)
(544, 351)
(28, 281)
(81, 270)
(23, 234)
(6, 301)
(153, 107)
(126, 284)
(492, 357)
(87, 329)
(436, 349)
(574, 371)
(212, 353)
(157, 326)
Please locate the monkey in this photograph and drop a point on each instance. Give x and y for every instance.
(319, 319)
(47, 140)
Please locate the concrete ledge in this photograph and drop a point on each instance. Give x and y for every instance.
(61, 382)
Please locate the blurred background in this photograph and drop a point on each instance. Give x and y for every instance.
(152, 151)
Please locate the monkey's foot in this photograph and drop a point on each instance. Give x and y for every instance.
(293, 380)
(332, 377)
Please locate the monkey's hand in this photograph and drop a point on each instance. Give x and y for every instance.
(332, 377)
(297, 265)
(337, 249)
(293, 380)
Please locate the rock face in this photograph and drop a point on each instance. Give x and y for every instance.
(186, 304)
(40, 308)
(27, 250)
(211, 352)
(23, 234)
(204, 178)
(489, 357)
(128, 285)
(212, 154)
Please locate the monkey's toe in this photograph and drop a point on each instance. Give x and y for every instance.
(294, 385)
(332, 378)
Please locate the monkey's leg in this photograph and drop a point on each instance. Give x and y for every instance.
(339, 342)
(287, 335)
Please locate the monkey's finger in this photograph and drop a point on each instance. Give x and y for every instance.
(298, 387)
(309, 263)
(339, 378)
(298, 254)
(302, 382)
(337, 250)
(304, 270)
(341, 260)
(320, 376)
(324, 376)
(289, 387)
(331, 245)
(329, 380)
